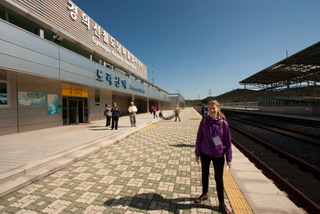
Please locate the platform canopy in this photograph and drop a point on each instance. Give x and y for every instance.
(300, 67)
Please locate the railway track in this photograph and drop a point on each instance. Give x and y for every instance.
(298, 178)
(310, 138)
(287, 151)
(301, 127)
(275, 118)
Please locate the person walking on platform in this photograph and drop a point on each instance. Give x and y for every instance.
(212, 144)
(154, 111)
(132, 113)
(108, 114)
(115, 115)
(202, 111)
(176, 113)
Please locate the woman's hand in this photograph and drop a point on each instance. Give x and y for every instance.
(229, 164)
(197, 159)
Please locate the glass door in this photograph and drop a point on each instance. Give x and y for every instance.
(75, 110)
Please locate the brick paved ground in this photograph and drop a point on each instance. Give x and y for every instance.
(151, 171)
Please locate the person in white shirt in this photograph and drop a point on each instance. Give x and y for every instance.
(132, 113)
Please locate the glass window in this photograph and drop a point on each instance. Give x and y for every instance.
(97, 96)
(3, 88)
(3, 93)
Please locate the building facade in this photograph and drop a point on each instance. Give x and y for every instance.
(59, 67)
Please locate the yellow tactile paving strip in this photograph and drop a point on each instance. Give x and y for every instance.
(238, 202)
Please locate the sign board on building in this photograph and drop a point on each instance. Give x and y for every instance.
(73, 90)
(71, 20)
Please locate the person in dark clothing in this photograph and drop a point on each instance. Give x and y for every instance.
(161, 115)
(202, 111)
(115, 115)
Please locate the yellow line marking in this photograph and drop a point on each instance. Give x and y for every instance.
(194, 111)
(148, 127)
(164, 127)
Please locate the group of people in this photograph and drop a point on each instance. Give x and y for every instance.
(114, 113)
(213, 143)
(176, 113)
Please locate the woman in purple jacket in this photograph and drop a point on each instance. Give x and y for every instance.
(213, 143)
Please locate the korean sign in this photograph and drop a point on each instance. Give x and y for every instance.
(75, 25)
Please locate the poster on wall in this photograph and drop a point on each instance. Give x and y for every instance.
(52, 100)
(31, 99)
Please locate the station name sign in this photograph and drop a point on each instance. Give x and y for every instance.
(116, 81)
(74, 24)
(137, 89)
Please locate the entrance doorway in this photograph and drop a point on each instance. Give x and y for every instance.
(75, 110)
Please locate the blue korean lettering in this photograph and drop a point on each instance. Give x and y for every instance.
(99, 75)
(109, 78)
(124, 83)
(117, 80)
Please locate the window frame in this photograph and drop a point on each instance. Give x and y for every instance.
(8, 91)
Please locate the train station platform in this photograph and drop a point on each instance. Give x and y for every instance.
(145, 169)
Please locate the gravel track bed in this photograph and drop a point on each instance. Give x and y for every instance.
(286, 123)
(306, 152)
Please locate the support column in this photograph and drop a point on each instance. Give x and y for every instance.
(314, 84)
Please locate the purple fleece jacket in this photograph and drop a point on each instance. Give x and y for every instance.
(204, 141)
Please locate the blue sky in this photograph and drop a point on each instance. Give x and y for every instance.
(199, 45)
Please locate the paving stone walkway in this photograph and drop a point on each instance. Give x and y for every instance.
(151, 171)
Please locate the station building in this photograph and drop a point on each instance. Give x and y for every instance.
(59, 67)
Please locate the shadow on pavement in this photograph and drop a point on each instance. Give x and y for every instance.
(153, 201)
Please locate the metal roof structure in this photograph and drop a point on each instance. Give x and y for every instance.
(300, 67)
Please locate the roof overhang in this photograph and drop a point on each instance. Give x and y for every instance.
(303, 63)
